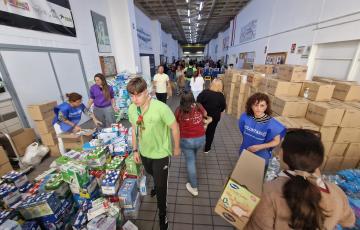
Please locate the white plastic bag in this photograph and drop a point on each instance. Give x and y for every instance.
(34, 153)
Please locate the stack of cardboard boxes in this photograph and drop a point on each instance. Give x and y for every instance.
(43, 115)
(324, 104)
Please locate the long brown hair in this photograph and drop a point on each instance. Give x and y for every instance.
(105, 86)
(186, 101)
(303, 150)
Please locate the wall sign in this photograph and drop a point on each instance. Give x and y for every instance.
(248, 32)
(101, 33)
(144, 39)
(276, 58)
(53, 16)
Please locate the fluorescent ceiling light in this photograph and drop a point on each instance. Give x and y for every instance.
(201, 6)
(199, 17)
(197, 24)
(189, 20)
(199, 52)
(188, 13)
(187, 1)
(186, 52)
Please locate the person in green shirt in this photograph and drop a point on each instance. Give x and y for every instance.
(152, 122)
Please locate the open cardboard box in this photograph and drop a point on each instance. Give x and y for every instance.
(76, 141)
(243, 190)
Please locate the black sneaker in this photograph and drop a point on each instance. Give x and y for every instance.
(153, 192)
(164, 224)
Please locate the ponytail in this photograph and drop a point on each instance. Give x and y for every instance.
(303, 199)
(73, 97)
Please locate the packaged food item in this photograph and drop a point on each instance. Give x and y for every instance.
(111, 182)
(102, 222)
(133, 213)
(132, 168)
(9, 195)
(58, 185)
(75, 173)
(127, 193)
(16, 178)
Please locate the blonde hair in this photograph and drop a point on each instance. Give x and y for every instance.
(217, 85)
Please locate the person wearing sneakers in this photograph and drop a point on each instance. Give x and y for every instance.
(152, 122)
(190, 116)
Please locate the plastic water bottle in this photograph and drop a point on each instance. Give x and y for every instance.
(306, 93)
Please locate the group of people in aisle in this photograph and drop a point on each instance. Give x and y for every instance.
(297, 199)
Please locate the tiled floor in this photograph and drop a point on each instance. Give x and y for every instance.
(193, 213)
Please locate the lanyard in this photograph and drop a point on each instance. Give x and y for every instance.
(137, 131)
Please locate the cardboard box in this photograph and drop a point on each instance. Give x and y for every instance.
(22, 139)
(317, 91)
(347, 135)
(5, 168)
(305, 124)
(3, 156)
(41, 111)
(333, 164)
(353, 150)
(242, 191)
(326, 80)
(328, 133)
(293, 73)
(334, 149)
(75, 141)
(267, 69)
(283, 88)
(45, 126)
(349, 163)
(324, 114)
(351, 115)
(49, 138)
(346, 91)
(290, 106)
(54, 150)
(287, 122)
(254, 79)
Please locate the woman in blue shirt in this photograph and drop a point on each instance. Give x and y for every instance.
(68, 115)
(261, 132)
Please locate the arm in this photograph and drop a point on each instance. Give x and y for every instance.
(90, 102)
(275, 142)
(62, 118)
(92, 116)
(176, 136)
(135, 145)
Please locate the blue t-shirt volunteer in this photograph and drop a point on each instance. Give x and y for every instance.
(255, 133)
(70, 113)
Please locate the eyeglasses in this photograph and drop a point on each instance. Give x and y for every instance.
(293, 130)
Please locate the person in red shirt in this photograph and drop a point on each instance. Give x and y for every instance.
(190, 116)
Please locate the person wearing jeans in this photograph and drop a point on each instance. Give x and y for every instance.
(190, 116)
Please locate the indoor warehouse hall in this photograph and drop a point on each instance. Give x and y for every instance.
(183, 114)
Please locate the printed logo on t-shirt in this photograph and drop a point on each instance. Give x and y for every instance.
(256, 134)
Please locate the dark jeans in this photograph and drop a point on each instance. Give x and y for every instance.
(210, 132)
(158, 169)
(161, 97)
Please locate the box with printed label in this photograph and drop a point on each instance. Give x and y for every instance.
(326, 80)
(283, 88)
(75, 173)
(346, 91)
(41, 111)
(111, 182)
(290, 106)
(76, 141)
(18, 179)
(287, 122)
(128, 192)
(317, 91)
(305, 124)
(293, 73)
(347, 135)
(3, 156)
(328, 133)
(324, 114)
(22, 139)
(133, 213)
(242, 191)
(9, 195)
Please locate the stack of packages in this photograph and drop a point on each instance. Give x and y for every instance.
(96, 187)
(122, 99)
(43, 115)
(349, 182)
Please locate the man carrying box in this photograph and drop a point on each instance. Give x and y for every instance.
(151, 123)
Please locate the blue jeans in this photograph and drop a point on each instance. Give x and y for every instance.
(189, 147)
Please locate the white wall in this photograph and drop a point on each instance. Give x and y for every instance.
(169, 46)
(281, 23)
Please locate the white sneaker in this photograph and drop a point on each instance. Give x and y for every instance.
(193, 191)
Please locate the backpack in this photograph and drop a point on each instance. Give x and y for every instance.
(189, 72)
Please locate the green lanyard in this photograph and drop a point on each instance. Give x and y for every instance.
(137, 131)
